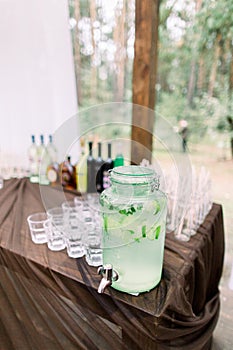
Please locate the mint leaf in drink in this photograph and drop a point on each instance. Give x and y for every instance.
(128, 212)
(105, 223)
(123, 211)
(156, 208)
(133, 210)
(144, 231)
(157, 232)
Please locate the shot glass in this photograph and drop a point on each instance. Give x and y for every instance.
(94, 252)
(74, 244)
(55, 228)
(1, 182)
(78, 202)
(74, 230)
(86, 215)
(37, 224)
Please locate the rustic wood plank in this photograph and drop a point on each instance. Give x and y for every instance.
(144, 78)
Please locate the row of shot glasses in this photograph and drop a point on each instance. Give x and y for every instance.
(75, 225)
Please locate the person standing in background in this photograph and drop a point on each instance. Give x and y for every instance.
(183, 131)
(230, 121)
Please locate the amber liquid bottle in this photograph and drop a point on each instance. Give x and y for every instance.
(53, 174)
(68, 176)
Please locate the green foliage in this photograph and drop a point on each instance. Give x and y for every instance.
(171, 106)
(177, 52)
(185, 36)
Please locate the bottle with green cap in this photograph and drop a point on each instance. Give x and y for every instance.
(119, 160)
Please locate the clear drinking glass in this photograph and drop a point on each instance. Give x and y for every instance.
(78, 202)
(87, 216)
(1, 182)
(55, 228)
(74, 230)
(94, 253)
(36, 224)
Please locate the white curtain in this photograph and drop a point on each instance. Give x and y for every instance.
(37, 80)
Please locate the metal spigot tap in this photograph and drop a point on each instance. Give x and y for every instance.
(108, 276)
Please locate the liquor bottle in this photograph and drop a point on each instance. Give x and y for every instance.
(52, 150)
(68, 176)
(44, 161)
(108, 165)
(40, 149)
(119, 160)
(53, 169)
(81, 170)
(90, 170)
(98, 170)
(53, 174)
(33, 161)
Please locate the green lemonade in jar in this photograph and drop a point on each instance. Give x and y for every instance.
(134, 226)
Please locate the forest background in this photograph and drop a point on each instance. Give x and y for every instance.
(195, 61)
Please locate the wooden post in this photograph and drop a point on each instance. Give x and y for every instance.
(144, 78)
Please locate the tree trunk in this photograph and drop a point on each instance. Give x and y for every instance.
(214, 68)
(201, 74)
(144, 78)
(77, 57)
(119, 39)
(93, 79)
(192, 82)
(231, 75)
(192, 77)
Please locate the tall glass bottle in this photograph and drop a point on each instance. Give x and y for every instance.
(108, 165)
(33, 161)
(44, 161)
(119, 160)
(68, 176)
(98, 169)
(53, 169)
(81, 170)
(52, 150)
(90, 170)
(40, 149)
(53, 174)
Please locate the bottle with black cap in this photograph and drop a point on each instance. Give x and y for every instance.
(90, 170)
(98, 169)
(108, 165)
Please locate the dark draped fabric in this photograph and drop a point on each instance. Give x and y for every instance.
(50, 301)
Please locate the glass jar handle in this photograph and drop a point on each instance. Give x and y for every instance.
(155, 184)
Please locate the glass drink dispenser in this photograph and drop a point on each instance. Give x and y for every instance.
(134, 225)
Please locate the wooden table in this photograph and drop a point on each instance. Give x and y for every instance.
(50, 301)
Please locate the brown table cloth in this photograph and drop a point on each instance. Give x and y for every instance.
(50, 301)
